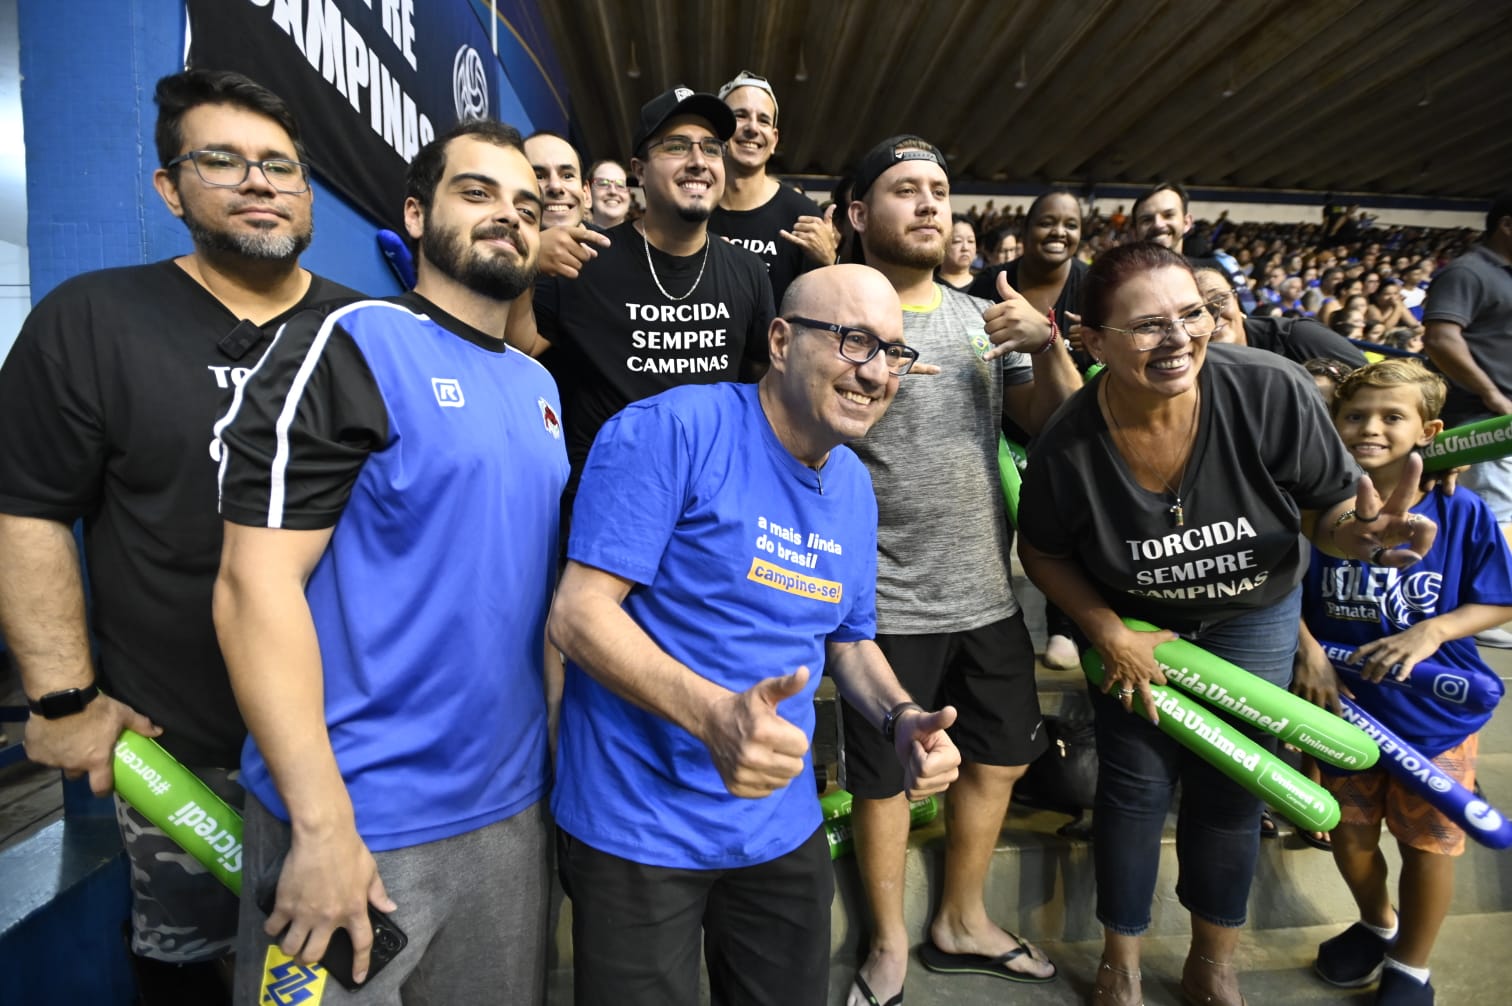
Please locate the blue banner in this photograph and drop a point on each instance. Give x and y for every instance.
(370, 81)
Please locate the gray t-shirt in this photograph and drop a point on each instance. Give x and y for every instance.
(1475, 292)
(1265, 451)
(942, 541)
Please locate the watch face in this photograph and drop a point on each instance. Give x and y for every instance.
(65, 703)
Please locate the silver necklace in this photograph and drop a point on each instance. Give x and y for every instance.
(652, 266)
(1177, 511)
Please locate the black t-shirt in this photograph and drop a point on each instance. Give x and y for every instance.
(617, 339)
(1265, 451)
(757, 231)
(1301, 339)
(107, 406)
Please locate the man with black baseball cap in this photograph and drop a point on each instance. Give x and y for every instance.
(786, 229)
(662, 305)
(946, 615)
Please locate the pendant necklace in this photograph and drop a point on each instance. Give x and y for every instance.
(1177, 512)
(652, 266)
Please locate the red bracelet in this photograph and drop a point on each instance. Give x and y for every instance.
(1054, 333)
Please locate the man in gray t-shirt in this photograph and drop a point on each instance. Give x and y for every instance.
(946, 615)
(1469, 338)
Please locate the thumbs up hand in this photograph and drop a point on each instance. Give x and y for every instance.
(1013, 324)
(929, 757)
(755, 750)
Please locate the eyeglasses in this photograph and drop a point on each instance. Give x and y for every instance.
(610, 185)
(681, 146)
(224, 169)
(1215, 306)
(858, 346)
(1151, 334)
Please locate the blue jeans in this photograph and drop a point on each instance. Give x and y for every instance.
(1218, 822)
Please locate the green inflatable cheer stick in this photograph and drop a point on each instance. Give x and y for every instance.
(837, 819)
(1011, 462)
(1189, 723)
(1486, 440)
(179, 802)
(1261, 704)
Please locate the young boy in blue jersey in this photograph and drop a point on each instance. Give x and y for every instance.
(1397, 618)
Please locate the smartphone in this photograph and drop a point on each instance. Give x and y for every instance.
(388, 940)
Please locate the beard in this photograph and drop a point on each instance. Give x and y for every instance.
(696, 214)
(261, 246)
(492, 276)
(895, 249)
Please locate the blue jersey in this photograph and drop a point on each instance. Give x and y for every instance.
(745, 563)
(437, 454)
(1350, 602)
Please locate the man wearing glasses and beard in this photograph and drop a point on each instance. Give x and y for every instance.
(106, 406)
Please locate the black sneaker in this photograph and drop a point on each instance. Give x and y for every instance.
(1352, 959)
(1398, 988)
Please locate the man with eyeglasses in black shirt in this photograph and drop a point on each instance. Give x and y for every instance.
(661, 305)
(107, 403)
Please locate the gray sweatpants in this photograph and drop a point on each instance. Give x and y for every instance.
(473, 907)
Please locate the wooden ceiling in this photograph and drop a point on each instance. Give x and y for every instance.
(1370, 96)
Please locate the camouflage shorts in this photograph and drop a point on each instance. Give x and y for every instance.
(179, 912)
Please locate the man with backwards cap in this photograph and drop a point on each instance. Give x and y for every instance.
(661, 305)
(723, 558)
(757, 211)
(947, 619)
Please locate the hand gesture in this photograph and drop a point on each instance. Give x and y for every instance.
(1013, 324)
(816, 236)
(1445, 482)
(1376, 527)
(1130, 667)
(1396, 655)
(565, 250)
(84, 743)
(327, 881)
(1074, 332)
(755, 750)
(1314, 678)
(929, 757)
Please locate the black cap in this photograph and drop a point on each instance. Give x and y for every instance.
(683, 101)
(894, 150)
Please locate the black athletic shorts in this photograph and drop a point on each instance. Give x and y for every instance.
(987, 673)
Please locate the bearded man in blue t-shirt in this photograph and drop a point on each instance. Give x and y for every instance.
(723, 557)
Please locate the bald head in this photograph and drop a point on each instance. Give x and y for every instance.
(820, 392)
(821, 286)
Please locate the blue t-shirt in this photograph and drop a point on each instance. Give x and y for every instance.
(1351, 603)
(438, 456)
(745, 563)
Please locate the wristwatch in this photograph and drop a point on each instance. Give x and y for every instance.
(890, 721)
(56, 705)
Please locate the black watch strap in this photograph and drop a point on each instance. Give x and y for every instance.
(56, 705)
(890, 721)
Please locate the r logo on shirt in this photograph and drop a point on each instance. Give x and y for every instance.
(549, 419)
(448, 392)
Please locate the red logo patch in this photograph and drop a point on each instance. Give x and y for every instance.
(549, 419)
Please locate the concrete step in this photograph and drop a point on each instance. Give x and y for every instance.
(1471, 967)
(1041, 885)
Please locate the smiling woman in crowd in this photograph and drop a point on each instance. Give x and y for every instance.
(1170, 489)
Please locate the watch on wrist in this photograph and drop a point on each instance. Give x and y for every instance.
(890, 721)
(56, 705)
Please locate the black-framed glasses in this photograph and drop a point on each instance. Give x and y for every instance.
(858, 346)
(678, 145)
(1152, 333)
(224, 169)
(610, 185)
